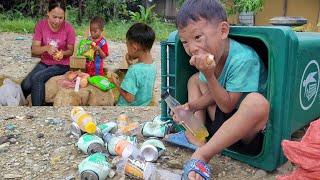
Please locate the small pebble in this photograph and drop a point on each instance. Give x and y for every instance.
(40, 135)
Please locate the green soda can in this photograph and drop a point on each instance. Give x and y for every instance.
(94, 167)
(89, 144)
(109, 127)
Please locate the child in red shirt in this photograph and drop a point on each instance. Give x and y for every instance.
(95, 67)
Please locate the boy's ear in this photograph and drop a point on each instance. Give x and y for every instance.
(224, 30)
(135, 47)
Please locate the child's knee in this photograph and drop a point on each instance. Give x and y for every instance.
(257, 104)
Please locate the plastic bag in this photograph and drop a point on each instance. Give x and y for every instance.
(85, 49)
(69, 79)
(305, 154)
(101, 82)
(11, 94)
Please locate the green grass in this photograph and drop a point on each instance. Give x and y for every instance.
(114, 30)
(17, 25)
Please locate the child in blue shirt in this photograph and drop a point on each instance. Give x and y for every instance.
(226, 96)
(137, 86)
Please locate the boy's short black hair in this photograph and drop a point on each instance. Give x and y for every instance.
(98, 20)
(142, 34)
(196, 9)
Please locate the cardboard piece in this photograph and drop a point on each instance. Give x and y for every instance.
(77, 62)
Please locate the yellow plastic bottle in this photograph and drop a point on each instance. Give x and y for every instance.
(186, 118)
(84, 120)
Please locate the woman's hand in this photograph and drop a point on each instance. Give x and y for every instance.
(58, 55)
(51, 50)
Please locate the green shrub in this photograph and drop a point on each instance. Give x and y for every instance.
(144, 15)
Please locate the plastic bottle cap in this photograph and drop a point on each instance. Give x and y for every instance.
(90, 127)
(165, 95)
(149, 152)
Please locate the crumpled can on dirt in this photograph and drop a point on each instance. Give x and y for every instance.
(94, 167)
(151, 149)
(156, 128)
(90, 144)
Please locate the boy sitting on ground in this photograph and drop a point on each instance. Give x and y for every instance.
(226, 95)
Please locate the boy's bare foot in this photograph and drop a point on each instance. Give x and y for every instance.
(193, 140)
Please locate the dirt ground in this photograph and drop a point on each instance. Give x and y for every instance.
(40, 146)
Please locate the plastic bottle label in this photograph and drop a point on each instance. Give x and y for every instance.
(120, 146)
(135, 168)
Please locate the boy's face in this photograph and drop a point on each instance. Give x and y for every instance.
(203, 37)
(95, 31)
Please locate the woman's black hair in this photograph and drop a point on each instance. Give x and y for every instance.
(57, 3)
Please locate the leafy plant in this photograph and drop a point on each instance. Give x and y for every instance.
(248, 5)
(108, 9)
(144, 15)
(180, 2)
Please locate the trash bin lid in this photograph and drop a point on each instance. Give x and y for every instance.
(288, 21)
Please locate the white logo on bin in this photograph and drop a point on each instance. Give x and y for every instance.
(309, 85)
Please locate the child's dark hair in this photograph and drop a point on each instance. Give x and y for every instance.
(57, 3)
(210, 10)
(142, 34)
(98, 20)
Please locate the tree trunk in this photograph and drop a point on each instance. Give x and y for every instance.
(80, 12)
(43, 7)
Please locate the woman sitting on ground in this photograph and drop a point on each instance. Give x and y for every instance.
(53, 41)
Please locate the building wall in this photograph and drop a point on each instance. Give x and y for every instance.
(308, 9)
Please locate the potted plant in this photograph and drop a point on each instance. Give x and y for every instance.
(247, 10)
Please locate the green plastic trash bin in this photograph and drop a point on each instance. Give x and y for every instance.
(292, 60)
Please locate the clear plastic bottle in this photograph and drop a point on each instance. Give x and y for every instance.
(126, 126)
(186, 117)
(119, 146)
(83, 119)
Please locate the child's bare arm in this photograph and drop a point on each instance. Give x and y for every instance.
(127, 96)
(202, 103)
(225, 100)
(69, 51)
